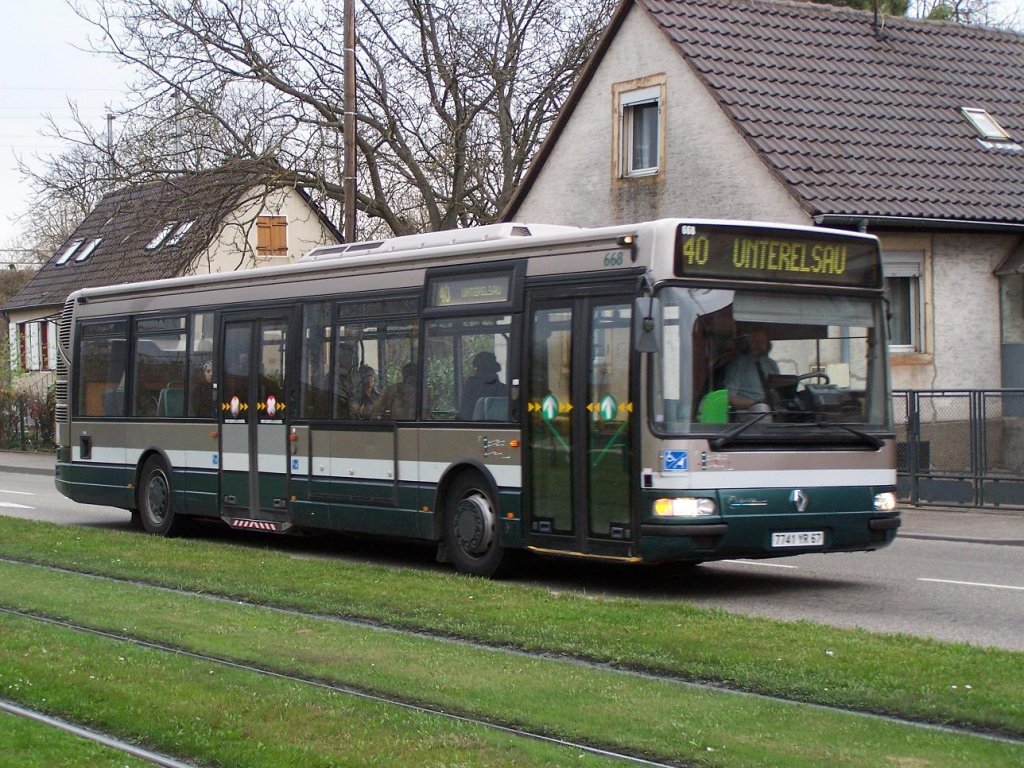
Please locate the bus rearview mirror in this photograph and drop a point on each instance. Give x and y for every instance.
(646, 325)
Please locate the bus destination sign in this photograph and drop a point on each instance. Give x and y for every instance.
(460, 291)
(744, 253)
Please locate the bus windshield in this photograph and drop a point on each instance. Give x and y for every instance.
(759, 365)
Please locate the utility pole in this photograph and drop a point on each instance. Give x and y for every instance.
(110, 149)
(349, 124)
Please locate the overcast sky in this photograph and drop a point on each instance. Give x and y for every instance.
(42, 71)
(44, 65)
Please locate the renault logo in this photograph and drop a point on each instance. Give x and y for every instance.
(800, 500)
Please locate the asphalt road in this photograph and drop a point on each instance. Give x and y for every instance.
(938, 579)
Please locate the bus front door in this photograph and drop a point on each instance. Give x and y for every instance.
(579, 425)
(254, 447)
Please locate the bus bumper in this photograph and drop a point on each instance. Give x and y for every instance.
(764, 523)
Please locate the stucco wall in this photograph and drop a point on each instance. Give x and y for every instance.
(235, 248)
(709, 170)
(961, 311)
(967, 338)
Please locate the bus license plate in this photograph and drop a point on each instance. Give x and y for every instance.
(798, 539)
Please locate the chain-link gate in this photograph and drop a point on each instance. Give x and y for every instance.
(960, 447)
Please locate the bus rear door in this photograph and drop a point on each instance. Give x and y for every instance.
(254, 445)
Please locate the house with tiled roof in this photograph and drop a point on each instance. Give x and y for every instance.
(220, 220)
(769, 110)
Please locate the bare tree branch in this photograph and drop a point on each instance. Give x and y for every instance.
(454, 96)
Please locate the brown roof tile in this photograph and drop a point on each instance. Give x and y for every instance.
(127, 220)
(857, 122)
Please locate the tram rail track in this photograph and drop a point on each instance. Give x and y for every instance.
(91, 734)
(346, 690)
(705, 685)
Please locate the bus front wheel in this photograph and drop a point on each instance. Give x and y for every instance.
(156, 499)
(471, 528)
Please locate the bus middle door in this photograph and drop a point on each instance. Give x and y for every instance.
(255, 450)
(579, 424)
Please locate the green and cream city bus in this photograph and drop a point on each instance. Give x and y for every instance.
(513, 387)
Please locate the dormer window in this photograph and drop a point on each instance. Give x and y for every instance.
(987, 126)
(69, 252)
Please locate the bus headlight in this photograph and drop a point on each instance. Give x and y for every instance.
(885, 502)
(688, 507)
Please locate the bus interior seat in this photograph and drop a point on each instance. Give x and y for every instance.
(171, 402)
(113, 401)
(491, 409)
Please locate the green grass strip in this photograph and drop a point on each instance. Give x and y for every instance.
(931, 680)
(31, 744)
(222, 716)
(614, 709)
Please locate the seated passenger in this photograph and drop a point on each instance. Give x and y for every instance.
(398, 401)
(483, 382)
(366, 393)
(201, 399)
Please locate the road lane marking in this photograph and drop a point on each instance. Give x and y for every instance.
(12, 505)
(17, 493)
(973, 584)
(758, 562)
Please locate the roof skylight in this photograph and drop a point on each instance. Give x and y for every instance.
(86, 252)
(986, 125)
(69, 252)
(158, 240)
(180, 232)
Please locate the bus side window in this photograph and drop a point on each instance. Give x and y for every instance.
(159, 366)
(101, 367)
(346, 363)
(466, 368)
(439, 366)
(316, 361)
(202, 394)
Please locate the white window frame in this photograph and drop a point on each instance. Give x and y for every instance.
(908, 265)
(631, 104)
(986, 125)
(628, 98)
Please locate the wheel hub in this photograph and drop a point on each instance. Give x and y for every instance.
(474, 525)
(156, 496)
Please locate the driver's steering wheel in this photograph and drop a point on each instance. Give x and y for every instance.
(814, 375)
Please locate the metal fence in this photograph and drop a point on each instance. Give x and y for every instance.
(961, 447)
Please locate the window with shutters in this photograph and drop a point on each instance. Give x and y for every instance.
(32, 347)
(272, 236)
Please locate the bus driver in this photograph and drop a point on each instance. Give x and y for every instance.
(746, 374)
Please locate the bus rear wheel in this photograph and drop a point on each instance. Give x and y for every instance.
(471, 528)
(156, 499)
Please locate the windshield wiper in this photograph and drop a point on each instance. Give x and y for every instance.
(723, 440)
(873, 440)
